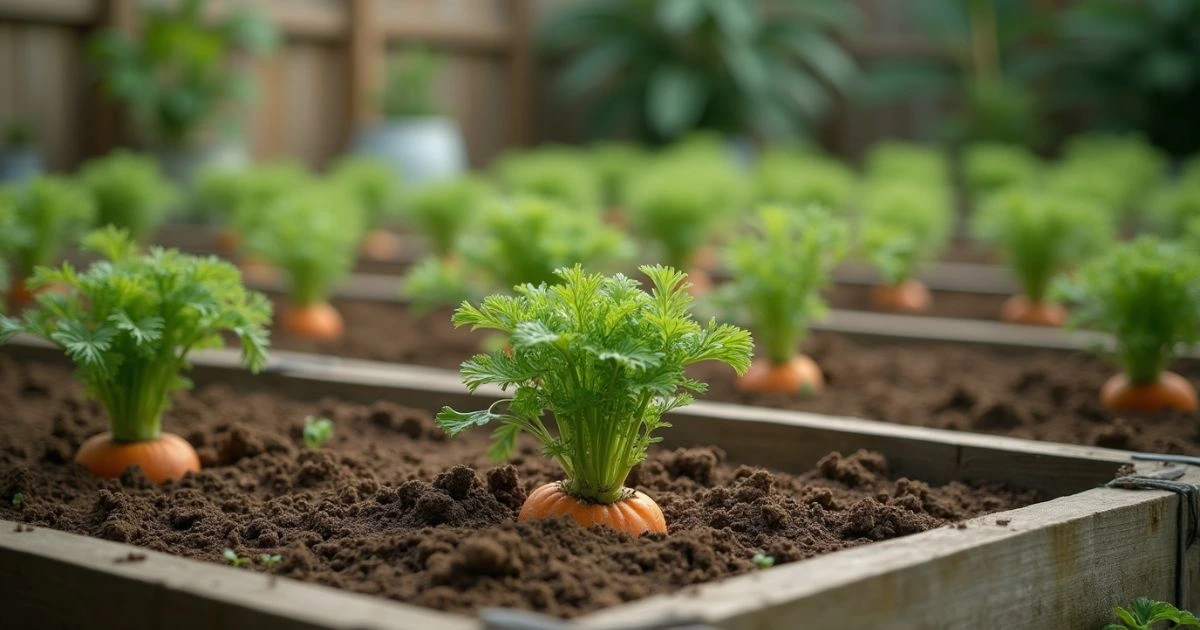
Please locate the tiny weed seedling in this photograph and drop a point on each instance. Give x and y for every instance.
(234, 559)
(1146, 614)
(763, 561)
(269, 560)
(317, 431)
(18, 500)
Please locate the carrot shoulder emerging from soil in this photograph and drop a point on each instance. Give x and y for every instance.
(606, 359)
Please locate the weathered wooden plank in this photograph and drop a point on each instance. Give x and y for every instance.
(1060, 564)
(66, 12)
(52, 579)
(367, 51)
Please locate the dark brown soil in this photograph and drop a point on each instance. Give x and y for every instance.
(1042, 395)
(391, 507)
(857, 297)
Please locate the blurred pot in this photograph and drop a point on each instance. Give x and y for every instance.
(419, 150)
(182, 164)
(19, 165)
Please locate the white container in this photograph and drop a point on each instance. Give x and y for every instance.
(419, 150)
(19, 165)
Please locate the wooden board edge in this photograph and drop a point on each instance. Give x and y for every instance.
(39, 563)
(1051, 564)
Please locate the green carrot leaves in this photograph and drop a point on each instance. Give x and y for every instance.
(604, 357)
(129, 193)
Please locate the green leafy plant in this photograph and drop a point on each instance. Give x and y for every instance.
(997, 55)
(373, 184)
(1136, 65)
(441, 211)
(559, 174)
(605, 358)
(49, 213)
(902, 226)
(615, 164)
(778, 270)
(269, 560)
(129, 322)
(317, 431)
(437, 282)
(525, 240)
(762, 560)
(236, 198)
(1172, 208)
(1041, 234)
(678, 202)
(798, 179)
(18, 134)
(18, 500)
(1146, 294)
(908, 161)
(312, 235)
(177, 75)
(988, 167)
(129, 192)
(233, 558)
(408, 91)
(1116, 171)
(663, 68)
(1146, 614)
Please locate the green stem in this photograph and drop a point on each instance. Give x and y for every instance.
(136, 397)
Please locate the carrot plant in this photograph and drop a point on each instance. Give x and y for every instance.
(989, 167)
(441, 211)
(1041, 235)
(1115, 171)
(129, 323)
(558, 174)
(605, 360)
(615, 164)
(1173, 207)
(1146, 294)
(679, 201)
(912, 162)
(903, 225)
(373, 185)
(48, 214)
(311, 235)
(233, 199)
(129, 192)
(798, 179)
(778, 270)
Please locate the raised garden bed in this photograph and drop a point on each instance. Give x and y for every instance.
(357, 489)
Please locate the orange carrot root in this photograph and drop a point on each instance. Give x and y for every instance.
(256, 270)
(167, 457)
(19, 295)
(801, 376)
(318, 321)
(381, 245)
(1171, 391)
(634, 515)
(1018, 309)
(910, 296)
(702, 283)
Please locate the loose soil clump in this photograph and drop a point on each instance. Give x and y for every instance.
(391, 507)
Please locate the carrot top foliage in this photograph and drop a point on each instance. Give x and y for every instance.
(601, 355)
(129, 321)
(49, 213)
(903, 224)
(129, 193)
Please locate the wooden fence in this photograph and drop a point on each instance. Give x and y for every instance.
(321, 87)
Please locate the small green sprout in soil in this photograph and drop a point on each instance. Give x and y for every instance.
(234, 559)
(606, 360)
(317, 431)
(1147, 614)
(269, 560)
(129, 192)
(18, 500)
(763, 561)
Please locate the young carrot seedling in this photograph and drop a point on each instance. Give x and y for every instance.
(903, 225)
(129, 193)
(377, 190)
(128, 323)
(677, 202)
(18, 500)
(234, 199)
(557, 174)
(798, 179)
(234, 559)
(49, 213)
(606, 360)
(1146, 294)
(441, 211)
(1147, 614)
(778, 271)
(317, 431)
(989, 167)
(763, 561)
(1041, 235)
(269, 560)
(312, 236)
